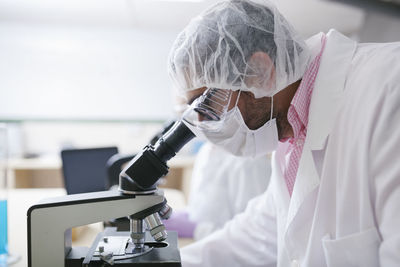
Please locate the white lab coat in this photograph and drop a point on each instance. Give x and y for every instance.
(221, 186)
(345, 207)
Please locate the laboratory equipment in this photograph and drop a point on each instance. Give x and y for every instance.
(3, 226)
(5, 257)
(3, 197)
(144, 170)
(146, 244)
(208, 111)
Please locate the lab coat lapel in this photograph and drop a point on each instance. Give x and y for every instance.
(325, 103)
(280, 186)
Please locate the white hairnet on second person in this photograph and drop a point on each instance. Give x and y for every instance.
(217, 49)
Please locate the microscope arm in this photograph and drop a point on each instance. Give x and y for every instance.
(50, 221)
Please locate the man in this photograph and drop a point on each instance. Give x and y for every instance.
(334, 105)
(217, 177)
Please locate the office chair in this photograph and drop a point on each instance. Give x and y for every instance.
(116, 162)
(84, 170)
(114, 167)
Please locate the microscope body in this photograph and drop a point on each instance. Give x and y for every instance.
(50, 221)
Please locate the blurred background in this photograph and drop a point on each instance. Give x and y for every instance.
(92, 73)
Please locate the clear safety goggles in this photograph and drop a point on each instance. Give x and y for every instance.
(208, 111)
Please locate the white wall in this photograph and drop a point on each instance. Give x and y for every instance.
(49, 138)
(56, 69)
(53, 71)
(313, 16)
(106, 59)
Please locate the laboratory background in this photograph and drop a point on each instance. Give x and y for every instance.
(82, 81)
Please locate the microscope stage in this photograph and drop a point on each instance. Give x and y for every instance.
(114, 248)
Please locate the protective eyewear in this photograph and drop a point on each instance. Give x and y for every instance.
(209, 110)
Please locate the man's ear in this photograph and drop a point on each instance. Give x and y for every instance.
(260, 71)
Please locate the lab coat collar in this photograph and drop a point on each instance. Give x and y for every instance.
(328, 87)
(314, 44)
(325, 102)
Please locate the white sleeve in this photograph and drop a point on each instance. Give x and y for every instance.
(247, 240)
(385, 168)
(203, 229)
(210, 174)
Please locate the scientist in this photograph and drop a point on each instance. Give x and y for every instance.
(334, 105)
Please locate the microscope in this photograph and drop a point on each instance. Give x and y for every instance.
(146, 244)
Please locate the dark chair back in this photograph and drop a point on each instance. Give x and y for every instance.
(114, 167)
(85, 170)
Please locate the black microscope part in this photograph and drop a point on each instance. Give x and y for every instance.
(150, 164)
(167, 126)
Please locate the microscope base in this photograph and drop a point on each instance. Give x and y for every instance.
(164, 253)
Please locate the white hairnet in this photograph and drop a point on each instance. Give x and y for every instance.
(216, 48)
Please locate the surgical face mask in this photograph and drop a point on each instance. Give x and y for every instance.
(236, 138)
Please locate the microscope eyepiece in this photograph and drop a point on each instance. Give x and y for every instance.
(143, 171)
(172, 141)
